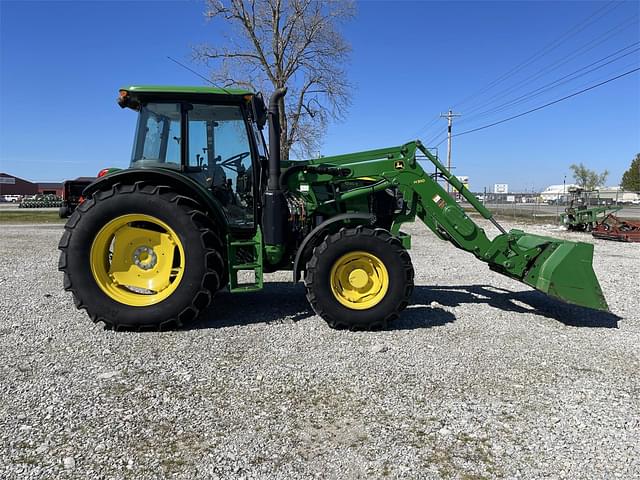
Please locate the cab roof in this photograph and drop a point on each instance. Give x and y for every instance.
(151, 89)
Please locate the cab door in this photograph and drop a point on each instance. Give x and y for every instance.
(220, 156)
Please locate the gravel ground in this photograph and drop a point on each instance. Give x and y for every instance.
(480, 378)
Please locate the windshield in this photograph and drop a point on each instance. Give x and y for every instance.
(157, 140)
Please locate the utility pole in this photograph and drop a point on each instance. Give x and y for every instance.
(449, 116)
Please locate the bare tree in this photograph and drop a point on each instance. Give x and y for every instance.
(293, 43)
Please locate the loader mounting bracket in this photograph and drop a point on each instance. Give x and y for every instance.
(309, 242)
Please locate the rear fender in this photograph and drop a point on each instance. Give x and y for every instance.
(177, 181)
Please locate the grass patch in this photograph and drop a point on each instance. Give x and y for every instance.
(26, 216)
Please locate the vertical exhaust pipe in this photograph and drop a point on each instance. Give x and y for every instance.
(274, 139)
(275, 211)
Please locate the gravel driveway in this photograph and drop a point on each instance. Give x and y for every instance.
(480, 378)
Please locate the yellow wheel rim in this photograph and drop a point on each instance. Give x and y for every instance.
(359, 280)
(137, 260)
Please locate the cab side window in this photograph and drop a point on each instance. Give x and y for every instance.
(220, 156)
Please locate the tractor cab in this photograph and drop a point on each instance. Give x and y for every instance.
(208, 134)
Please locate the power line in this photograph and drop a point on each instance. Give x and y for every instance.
(558, 82)
(540, 90)
(426, 126)
(434, 138)
(582, 85)
(592, 44)
(545, 105)
(573, 31)
(502, 95)
(547, 49)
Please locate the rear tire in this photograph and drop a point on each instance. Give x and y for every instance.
(361, 305)
(89, 254)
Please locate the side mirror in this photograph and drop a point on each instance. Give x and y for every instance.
(259, 110)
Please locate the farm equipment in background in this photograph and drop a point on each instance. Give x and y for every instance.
(581, 215)
(41, 201)
(614, 228)
(206, 205)
(72, 195)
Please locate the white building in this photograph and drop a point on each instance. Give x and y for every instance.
(617, 194)
(554, 193)
(614, 194)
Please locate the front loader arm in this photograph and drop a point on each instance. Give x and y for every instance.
(560, 268)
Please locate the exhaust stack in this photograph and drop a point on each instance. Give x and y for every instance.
(275, 212)
(274, 139)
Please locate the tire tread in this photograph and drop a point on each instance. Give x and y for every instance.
(312, 283)
(211, 241)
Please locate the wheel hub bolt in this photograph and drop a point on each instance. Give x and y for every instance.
(145, 258)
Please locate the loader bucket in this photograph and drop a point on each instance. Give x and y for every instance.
(564, 270)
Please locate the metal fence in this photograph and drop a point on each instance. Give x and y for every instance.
(520, 205)
(530, 205)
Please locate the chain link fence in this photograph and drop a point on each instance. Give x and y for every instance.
(532, 205)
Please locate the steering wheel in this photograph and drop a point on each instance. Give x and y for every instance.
(234, 160)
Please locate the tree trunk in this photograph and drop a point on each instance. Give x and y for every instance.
(284, 131)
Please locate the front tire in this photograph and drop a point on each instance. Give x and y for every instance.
(359, 278)
(63, 211)
(141, 256)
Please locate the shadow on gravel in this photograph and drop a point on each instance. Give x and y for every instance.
(418, 316)
(282, 302)
(286, 302)
(530, 301)
(275, 303)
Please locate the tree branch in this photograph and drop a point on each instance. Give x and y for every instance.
(294, 43)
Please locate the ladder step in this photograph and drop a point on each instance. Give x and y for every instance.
(246, 266)
(243, 243)
(249, 260)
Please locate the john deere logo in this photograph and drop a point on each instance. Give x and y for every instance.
(399, 165)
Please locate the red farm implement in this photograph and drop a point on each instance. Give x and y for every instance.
(614, 228)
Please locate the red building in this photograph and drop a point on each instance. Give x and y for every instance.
(11, 185)
(53, 188)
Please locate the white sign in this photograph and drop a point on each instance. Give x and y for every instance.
(7, 180)
(501, 188)
(511, 198)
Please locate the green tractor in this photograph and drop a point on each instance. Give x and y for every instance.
(207, 205)
(582, 215)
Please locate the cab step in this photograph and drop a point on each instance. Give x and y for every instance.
(251, 247)
(246, 266)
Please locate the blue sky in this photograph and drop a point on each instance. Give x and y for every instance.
(61, 64)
